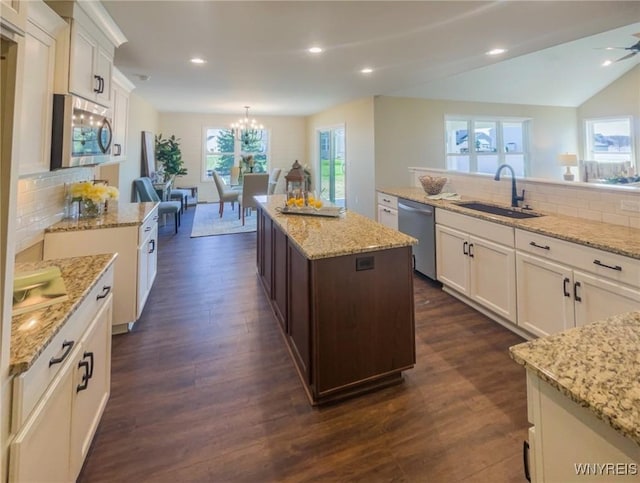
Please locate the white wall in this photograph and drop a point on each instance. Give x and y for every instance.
(357, 117)
(287, 133)
(410, 132)
(621, 98)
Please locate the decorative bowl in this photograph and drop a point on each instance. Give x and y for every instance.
(432, 185)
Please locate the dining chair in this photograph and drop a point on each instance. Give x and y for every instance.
(273, 180)
(225, 194)
(253, 184)
(146, 193)
(234, 176)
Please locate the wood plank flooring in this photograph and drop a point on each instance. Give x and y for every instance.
(203, 389)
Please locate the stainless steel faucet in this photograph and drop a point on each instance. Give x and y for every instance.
(514, 192)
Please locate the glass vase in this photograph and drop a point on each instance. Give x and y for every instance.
(90, 209)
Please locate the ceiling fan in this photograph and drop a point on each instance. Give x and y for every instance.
(634, 49)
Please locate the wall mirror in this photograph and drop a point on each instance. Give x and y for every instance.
(148, 158)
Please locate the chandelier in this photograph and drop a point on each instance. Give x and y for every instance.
(247, 131)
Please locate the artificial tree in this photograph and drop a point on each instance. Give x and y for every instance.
(169, 157)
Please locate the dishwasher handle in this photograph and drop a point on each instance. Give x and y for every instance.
(426, 211)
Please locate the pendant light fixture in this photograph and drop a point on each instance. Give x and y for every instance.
(247, 131)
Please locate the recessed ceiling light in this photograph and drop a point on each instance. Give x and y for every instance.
(606, 63)
(367, 70)
(198, 60)
(315, 50)
(496, 51)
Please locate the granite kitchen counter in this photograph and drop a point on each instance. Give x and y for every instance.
(118, 214)
(604, 236)
(597, 366)
(322, 237)
(32, 332)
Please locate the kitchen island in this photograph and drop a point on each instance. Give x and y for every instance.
(583, 398)
(342, 291)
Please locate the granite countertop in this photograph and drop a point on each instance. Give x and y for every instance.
(118, 214)
(597, 366)
(33, 331)
(321, 237)
(604, 236)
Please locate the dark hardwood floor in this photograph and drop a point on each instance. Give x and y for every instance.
(203, 389)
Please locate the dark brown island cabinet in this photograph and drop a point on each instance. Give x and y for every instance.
(342, 292)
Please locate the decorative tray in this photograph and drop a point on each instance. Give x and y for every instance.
(326, 211)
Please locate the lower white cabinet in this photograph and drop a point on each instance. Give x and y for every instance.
(388, 210)
(135, 267)
(53, 439)
(476, 267)
(568, 443)
(556, 295)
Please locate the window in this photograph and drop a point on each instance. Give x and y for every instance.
(609, 140)
(480, 145)
(222, 151)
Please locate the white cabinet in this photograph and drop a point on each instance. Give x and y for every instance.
(14, 12)
(120, 90)
(565, 435)
(562, 285)
(59, 401)
(147, 265)
(134, 244)
(476, 259)
(388, 210)
(34, 148)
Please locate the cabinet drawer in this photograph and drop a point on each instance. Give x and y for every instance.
(488, 230)
(609, 265)
(29, 386)
(148, 225)
(388, 200)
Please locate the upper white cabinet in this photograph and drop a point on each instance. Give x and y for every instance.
(121, 87)
(43, 24)
(14, 14)
(388, 210)
(476, 259)
(562, 284)
(85, 54)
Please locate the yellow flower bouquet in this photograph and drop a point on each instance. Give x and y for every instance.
(92, 197)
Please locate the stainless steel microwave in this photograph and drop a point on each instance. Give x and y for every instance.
(81, 133)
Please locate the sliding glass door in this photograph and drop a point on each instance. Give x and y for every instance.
(332, 166)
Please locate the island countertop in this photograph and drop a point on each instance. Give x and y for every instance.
(32, 332)
(612, 238)
(597, 366)
(321, 237)
(118, 214)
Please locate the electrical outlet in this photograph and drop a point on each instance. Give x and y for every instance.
(629, 205)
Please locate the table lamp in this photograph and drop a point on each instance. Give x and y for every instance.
(568, 160)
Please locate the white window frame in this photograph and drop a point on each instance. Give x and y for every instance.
(501, 154)
(591, 155)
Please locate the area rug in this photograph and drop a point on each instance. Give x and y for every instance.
(207, 222)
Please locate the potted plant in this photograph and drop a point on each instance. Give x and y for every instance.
(169, 157)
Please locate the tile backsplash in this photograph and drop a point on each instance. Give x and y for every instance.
(41, 203)
(571, 199)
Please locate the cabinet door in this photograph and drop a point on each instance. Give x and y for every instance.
(15, 12)
(40, 451)
(103, 69)
(120, 100)
(279, 292)
(388, 217)
(267, 254)
(298, 306)
(597, 299)
(83, 51)
(452, 260)
(36, 110)
(545, 297)
(152, 258)
(91, 385)
(492, 277)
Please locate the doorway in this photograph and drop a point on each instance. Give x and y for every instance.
(332, 165)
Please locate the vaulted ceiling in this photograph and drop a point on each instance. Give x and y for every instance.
(256, 51)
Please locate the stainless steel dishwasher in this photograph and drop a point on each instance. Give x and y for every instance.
(418, 220)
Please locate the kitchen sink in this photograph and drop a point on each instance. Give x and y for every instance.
(497, 210)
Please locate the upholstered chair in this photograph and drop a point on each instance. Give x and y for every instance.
(225, 194)
(146, 193)
(253, 184)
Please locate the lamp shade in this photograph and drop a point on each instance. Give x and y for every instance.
(568, 159)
